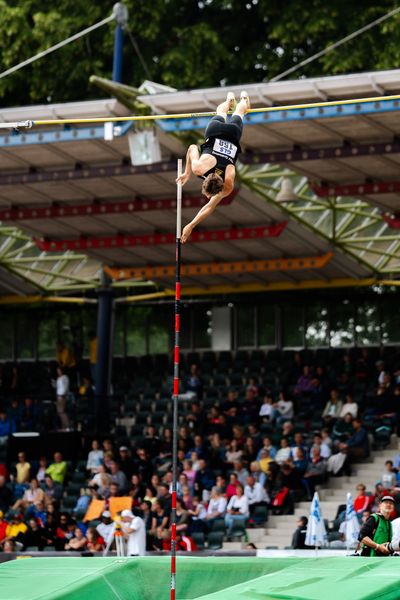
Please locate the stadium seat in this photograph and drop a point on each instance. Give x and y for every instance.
(215, 540)
(218, 525)
(238, 532)
(199, 539)
(260, 515)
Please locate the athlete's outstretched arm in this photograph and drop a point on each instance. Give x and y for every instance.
(211, 205)
(192, 154)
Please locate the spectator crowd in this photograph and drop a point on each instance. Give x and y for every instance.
(254, 440)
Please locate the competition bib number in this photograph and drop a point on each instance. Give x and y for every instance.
(225, 148)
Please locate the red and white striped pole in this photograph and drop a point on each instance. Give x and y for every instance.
(176, 379)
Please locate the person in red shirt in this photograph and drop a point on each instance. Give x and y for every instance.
(231, 487)
(3, 526)
(183, 542)
(361, 501)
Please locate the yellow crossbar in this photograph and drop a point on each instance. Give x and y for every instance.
(80, 121)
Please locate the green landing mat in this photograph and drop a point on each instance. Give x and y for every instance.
(208, 578)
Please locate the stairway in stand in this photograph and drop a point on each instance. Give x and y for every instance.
(279, 529)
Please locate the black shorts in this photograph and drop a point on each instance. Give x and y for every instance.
(219, 128)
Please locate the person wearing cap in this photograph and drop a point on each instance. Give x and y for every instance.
(376, 532)
(134, 531)
(106, 527)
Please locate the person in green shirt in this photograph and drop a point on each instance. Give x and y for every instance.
(58, 469)
(376, 532)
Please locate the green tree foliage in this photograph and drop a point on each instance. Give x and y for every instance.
(188, 44)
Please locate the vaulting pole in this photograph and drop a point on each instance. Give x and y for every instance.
(176, 378)
(287, 108)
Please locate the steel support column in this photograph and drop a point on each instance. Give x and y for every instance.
(105, 328)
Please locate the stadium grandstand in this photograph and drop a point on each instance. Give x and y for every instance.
(290, 328)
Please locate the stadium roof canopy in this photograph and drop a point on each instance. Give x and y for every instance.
(81, 204)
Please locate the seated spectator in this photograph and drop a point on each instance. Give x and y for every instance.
(300, 463)
(324, 449)
(50, 529)
(350, 406)
(231, 487)
(4, 471)
(23, 473)
(58, 469)
(283, 453)
(184, 543)
(264, 463)
(216, 506)
(182, 516)
(189, 472)
(137, 490)
(34, 536)
(101, 482)
(3, 526)
(250, 407)
(95, 458)
(285, 409)
(315, 473)
(16, 529)
(194, 383)
(95, 542)
(39, 512)
(77, 542)
(196, 419)
(305, 384)
(163, 494)
(237, 510)
(159, 523)
(32, 497)
(288, 431)
(388, 477)
(187, 496)
(52, 490)
(107, 527)
(233, 453)
(118, 477)
(255, 493)
(268, 411)
(7, 427)
(82, 503)
(267, 445)
(64, 531)
(5, 495)
(29, 416)
(357, 446)
(108, 448)
(250, 451)
(126, 464)
(299, 536)
(204, 478)
(150, 495)
(333, 407)
(9, 547)
(343, 428)
(298, 447)
(41, 472)
(361, 501)
(198, 513)
(241, 472)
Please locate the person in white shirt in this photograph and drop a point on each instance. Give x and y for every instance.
(237, 510)
(349, 407)
(134, 531)
(62, 390)
(216, 506)
(268, 409)
(255, 493)
(95, 457)
(285, 408)
(283, 453)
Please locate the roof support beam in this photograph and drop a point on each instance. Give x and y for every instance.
(103, 208)
(155, 239)
(223, 268)
(356, 189)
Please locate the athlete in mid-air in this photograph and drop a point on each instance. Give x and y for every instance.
(215, 164)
